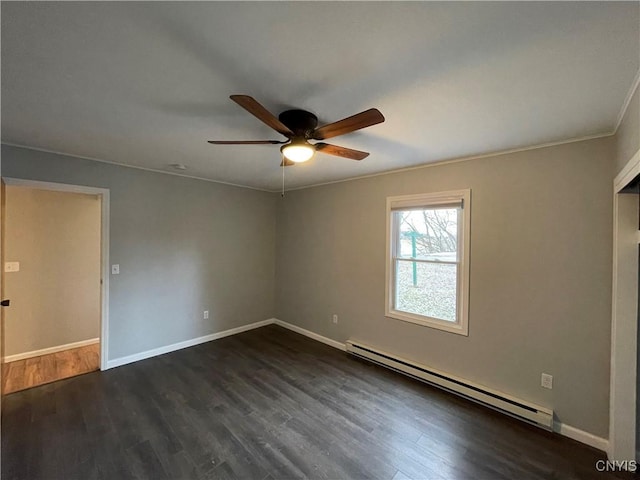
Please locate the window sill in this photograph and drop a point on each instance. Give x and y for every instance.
(445, 326)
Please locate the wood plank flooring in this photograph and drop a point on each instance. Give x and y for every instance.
(35, 371)
(270, 404)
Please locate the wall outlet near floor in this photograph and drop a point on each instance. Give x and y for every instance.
(546, 381)
(205, 314)
(334, 318)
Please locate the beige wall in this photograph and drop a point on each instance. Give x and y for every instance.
(628, 135)
(183, 246)
(55, 297)
(541, 224)
(627, 144)
(541, 256)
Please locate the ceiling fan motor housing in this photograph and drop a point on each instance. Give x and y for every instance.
(300, 122)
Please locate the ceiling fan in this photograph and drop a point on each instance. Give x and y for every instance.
(300, 126)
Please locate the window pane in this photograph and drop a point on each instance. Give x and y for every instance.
(426, 289)
(430, 234)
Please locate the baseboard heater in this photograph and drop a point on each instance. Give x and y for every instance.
(534, 414)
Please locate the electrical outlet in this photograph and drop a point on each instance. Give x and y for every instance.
(115, 269)
(12, 267)
(546, 381)
(334, 318)
(205, 314)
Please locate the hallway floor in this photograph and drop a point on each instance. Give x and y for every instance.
(31, 372)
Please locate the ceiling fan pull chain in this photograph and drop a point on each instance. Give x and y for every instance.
(282, 194)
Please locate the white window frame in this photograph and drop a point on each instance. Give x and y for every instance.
(426, 200)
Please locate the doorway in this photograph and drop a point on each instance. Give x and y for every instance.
(55, 274)
(623, 420)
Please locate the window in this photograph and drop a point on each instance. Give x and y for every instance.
(427, 278)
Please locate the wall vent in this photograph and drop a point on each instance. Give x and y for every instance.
(534, 414)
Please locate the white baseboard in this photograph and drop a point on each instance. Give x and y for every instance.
(581, 436)
(185, 344)
(117, 362)
(310, 334)
(47, 351)
(563, 429)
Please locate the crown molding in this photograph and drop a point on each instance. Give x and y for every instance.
(137, 167)
(456, 160)
(627, 101)
(350, 179)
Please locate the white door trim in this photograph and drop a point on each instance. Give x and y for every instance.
(104, 247)
(624, 317)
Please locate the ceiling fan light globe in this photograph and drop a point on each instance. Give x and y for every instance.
(298, 152)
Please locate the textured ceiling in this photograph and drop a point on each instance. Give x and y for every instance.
(146, 84)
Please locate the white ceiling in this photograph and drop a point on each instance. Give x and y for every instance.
(146, 84)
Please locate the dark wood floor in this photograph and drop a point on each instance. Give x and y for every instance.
(270, 404)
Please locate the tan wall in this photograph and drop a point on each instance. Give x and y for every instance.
(183, 246)
(55, 297)
(541, 256)
(628, 135)
(627, 144)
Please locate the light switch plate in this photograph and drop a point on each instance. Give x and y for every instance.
(115, 269)
(11, 267)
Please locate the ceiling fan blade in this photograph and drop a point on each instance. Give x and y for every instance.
(349, 124)
(286, 162)
(245, 142)
(254, 108)
(341, 151)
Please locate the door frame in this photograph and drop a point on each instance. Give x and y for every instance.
(624, 317)
(103, 193)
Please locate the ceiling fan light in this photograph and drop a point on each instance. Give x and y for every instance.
(298, 151)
